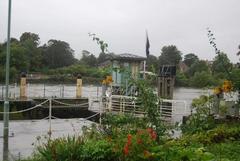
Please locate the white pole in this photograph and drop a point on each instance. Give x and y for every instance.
(50, 117)
(44, 90)
(144, 69)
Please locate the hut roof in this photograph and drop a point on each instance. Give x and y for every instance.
(127, 56)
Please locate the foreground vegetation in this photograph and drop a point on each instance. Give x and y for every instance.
(128, 138)
(221, 143)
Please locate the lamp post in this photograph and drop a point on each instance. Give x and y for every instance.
(6, 99)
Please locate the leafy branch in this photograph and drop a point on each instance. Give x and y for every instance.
(103, 45)
(217, 51)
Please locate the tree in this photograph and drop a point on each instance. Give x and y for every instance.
(239, 50)
(181, 79)
(18, 59)
(238, 53)
(34, 55)
(170, 55)
(202, 79)
(152, 63)
(28, 36)
(101, 58)
(88, 58)
(198, 66)
(190, 59)
(221, 64)
(57, 54)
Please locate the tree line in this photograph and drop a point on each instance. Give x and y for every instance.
(56, 57)
(27, 55)
(192, 71)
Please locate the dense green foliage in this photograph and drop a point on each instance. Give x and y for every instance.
(221, 64)
(190, 59)
(201, 120)
(170, 55)
(200, 73)
(55, 58)
(28, 56)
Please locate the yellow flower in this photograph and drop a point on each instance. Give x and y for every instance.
(217, 90)
(227, 86)
(109, 79)
(104, 82)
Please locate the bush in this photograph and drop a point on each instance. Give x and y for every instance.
(200, 120)
(97, 150)
(202, 79)
(181, 80)
(67, 149)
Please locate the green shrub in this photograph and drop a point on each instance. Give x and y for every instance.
(65, 149)
(228, 151)
(200, 120)
(97, 150)
(202, 79)
(181, 80)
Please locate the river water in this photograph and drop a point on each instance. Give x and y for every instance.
(23, 134)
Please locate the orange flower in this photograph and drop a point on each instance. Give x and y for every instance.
(139, 141)
(146, 153)
(129, 139)
(152, 133)
(150, 130)
(126, 149)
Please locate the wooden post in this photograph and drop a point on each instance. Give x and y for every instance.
(79, 87)
(23, 86)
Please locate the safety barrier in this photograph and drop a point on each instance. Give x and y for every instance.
(172, 110)
(44, 91)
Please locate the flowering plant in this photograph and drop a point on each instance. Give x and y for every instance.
(138, 145)
(108, 80)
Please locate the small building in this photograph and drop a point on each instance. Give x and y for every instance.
(124, 68)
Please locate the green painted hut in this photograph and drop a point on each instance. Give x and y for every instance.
(125, 67)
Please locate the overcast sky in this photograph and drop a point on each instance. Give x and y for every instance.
(122, 24)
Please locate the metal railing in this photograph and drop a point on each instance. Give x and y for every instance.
(169, 109)
(48, 91)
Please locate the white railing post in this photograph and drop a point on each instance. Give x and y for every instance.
(134, 106)
(62, 91)
(15, 89)
(2, 92)
(110, 104)
(44, 90)
(50, 117)
(100, 113)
